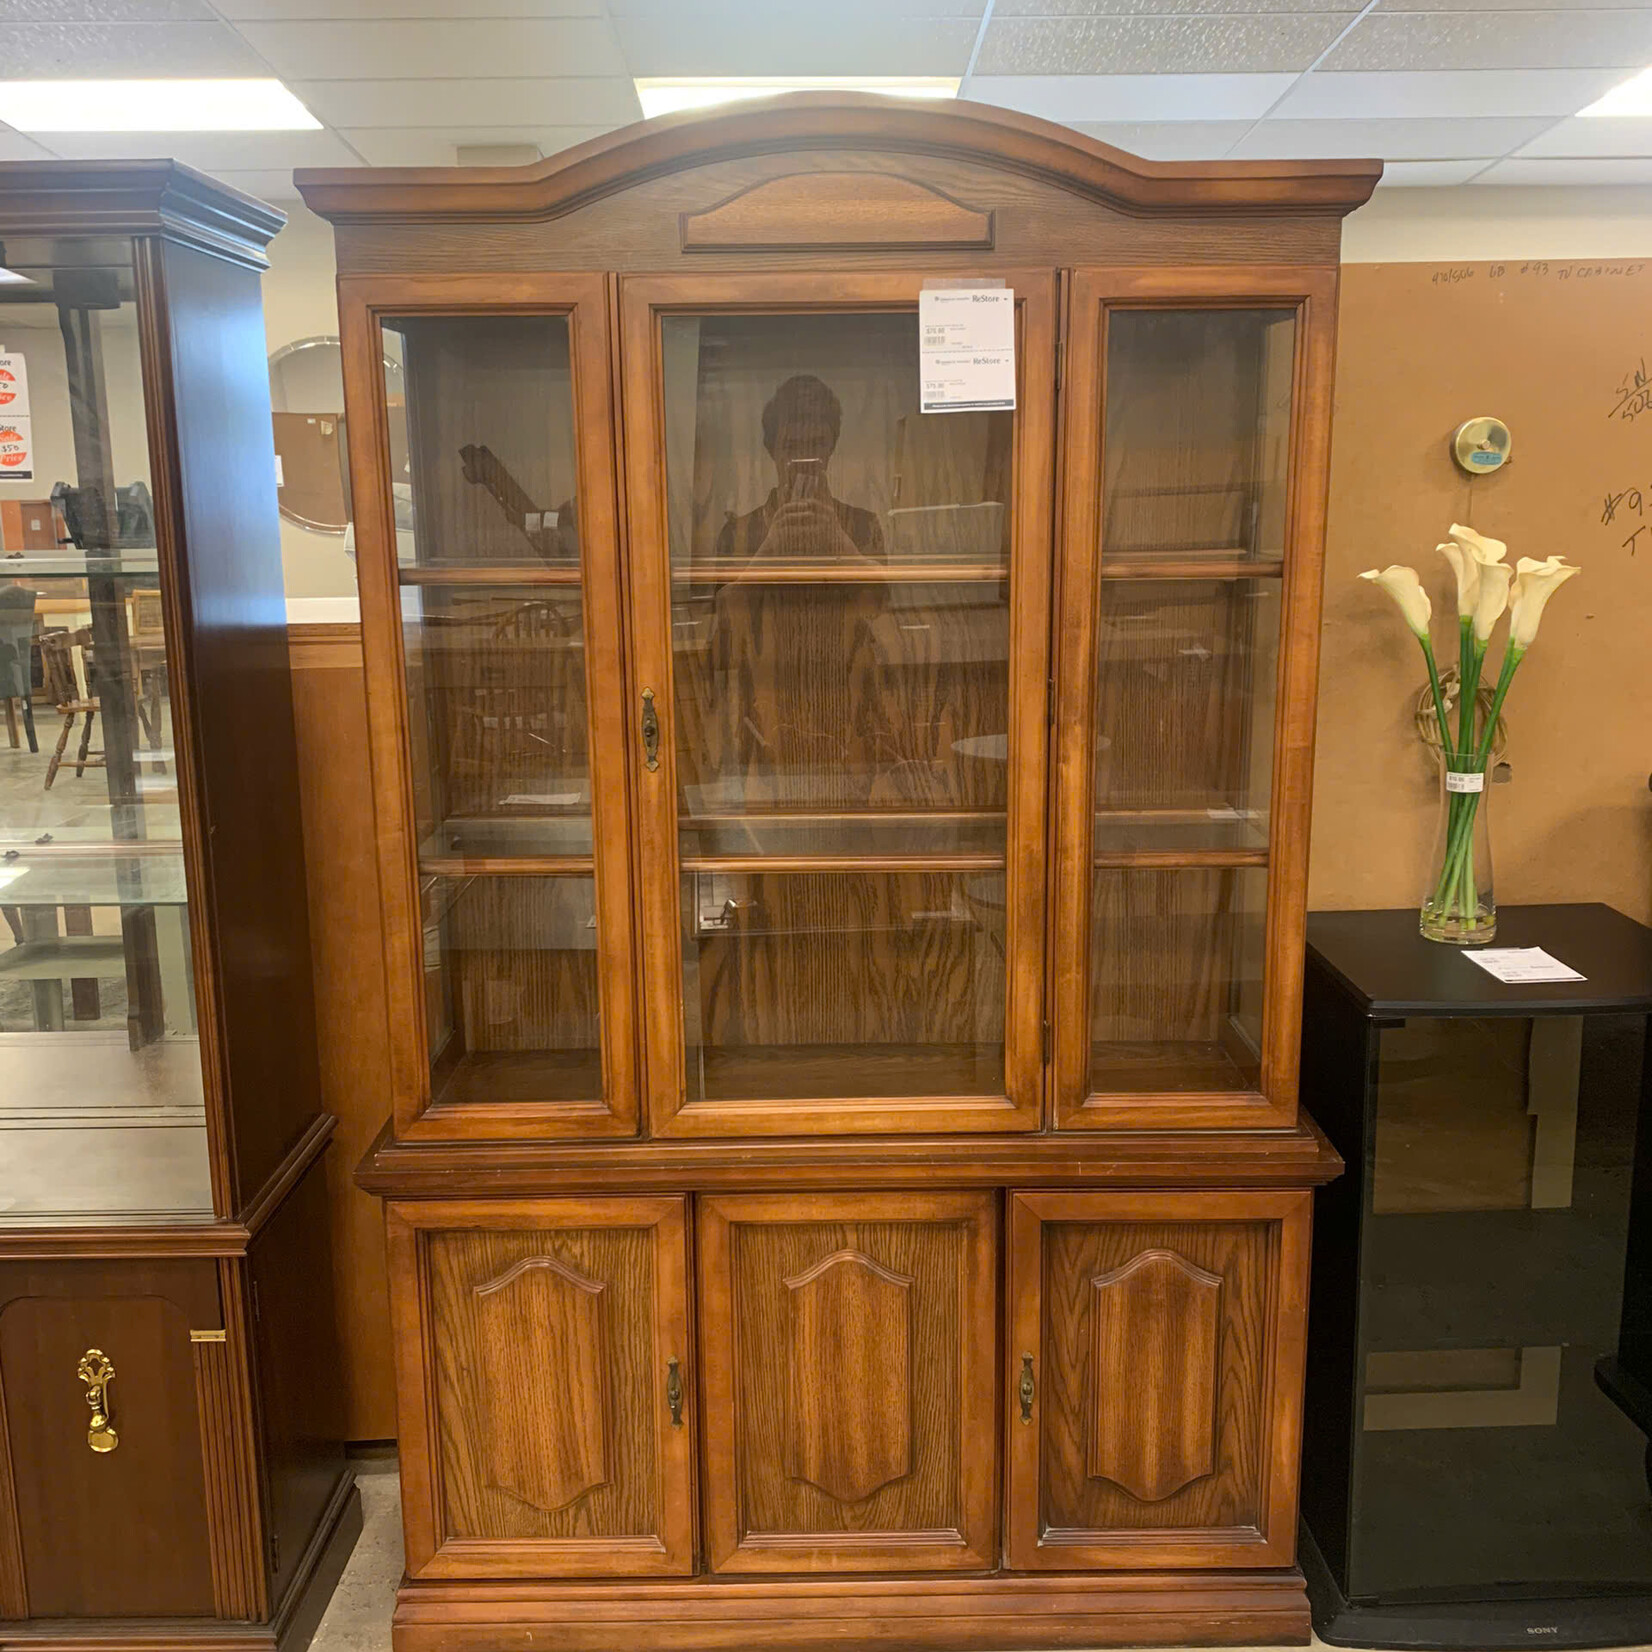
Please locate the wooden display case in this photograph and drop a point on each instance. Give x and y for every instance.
(171, 1465)
(843, 871)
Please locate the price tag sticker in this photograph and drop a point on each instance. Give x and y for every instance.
(966, 349)
(1465, 782)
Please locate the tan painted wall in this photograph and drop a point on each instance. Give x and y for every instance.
(1546, 348)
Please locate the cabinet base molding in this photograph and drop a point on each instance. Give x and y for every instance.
(988, 1614)
(295, 1621)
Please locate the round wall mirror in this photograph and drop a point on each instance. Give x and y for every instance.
(311, 458)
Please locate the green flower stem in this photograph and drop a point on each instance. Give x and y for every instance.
(1465, 685)
(1427, 645)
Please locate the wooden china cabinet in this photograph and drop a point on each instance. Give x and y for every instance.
(844, 872)
(172, 1469)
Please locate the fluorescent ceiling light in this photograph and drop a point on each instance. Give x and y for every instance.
(1633, 97)
(666, 96)
(152, 106)
(11, 278)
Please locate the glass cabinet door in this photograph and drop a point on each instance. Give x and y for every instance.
(1185, 726)
(102, 1110)
(489, 580)
(840, 634)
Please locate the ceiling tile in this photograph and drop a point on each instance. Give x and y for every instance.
(422, 48)
(1155, 45)
(1170, 140)
(800, 18)
(327, 11)
(1168, 8)
(1501, 5)
(134, 51)
(1499, 40)
(1154, 98)
(856, 41)
(435, 145)
(211, 151)
(1592, 170)
(1398, 140)
(1429, 174)
(1598, 135)
(609, 101)
(1461, 93)
(105, 11)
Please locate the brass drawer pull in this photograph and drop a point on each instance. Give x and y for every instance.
(674, 1390)
(650, 731)
(1028, 1389)
(96, 1371)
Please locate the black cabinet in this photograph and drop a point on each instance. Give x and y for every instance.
(1479, 1390)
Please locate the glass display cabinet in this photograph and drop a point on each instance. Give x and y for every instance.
(842, 868)
(164, 1455)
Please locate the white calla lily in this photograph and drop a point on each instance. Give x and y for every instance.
(1403, 585)
(1468, 553)
(1534, 584)
(1491, 600)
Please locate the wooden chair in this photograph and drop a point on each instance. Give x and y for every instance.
(146, 626)
(63, 688)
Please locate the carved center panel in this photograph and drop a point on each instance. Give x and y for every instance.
(541, 1357)
(849, 1377)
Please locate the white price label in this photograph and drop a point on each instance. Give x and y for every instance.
(1465, 782)
(966, 349)
(1520, 964)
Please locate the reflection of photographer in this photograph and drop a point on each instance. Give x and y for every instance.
(800, 518)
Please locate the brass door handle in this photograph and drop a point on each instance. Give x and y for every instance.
(1028, 1389)
(650, 731)
(96, 1371)
(674, 1390)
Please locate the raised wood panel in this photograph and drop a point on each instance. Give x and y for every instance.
(538, 1387)
(1156, 1313)
(240, 1588)
(851, 1324)
(867, 1443)
(541, 1312)
(1167, 1334)
(836, 211)
(352, 1033)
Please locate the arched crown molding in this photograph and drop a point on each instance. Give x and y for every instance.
(976, 132)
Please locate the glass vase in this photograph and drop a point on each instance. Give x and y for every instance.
(1458, 905)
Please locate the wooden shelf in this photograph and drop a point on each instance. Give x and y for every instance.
(505, 866)
(1176, 860)
(496, 1077)
(849, 1072)
(712, 572)
(1172, 565)
(530, 573)
(1172, 1067)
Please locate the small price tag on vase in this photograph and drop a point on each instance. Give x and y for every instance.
(1521, 964)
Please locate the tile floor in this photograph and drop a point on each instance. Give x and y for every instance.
(358, 1619)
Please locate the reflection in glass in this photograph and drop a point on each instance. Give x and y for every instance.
(1197, 443)
(102, 1094)
(1176, 979)
(1184, 713)
(511, 989)
(489, 475)
(843, 984)
(840, 592)
(497, 725)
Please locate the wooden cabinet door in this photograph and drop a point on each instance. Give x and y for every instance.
(849, 1393)
(1187, 632)
(127, 1531)
(840, 631)
(1154, 1378)
(543, 1383)
(481, 449)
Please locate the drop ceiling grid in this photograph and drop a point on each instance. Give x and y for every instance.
(1446, 90)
